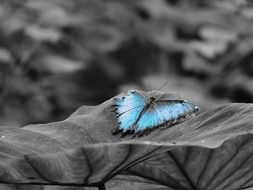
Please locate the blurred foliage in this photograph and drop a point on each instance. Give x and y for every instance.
(56, 55)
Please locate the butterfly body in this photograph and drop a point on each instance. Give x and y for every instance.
(140, 113)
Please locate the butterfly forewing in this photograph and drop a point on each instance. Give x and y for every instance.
(129, 108)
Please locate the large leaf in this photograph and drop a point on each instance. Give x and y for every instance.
(228, 167)
(81, 151)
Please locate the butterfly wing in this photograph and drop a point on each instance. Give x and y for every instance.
(128, 108)
(164, 113)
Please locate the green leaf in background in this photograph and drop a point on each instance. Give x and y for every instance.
(210, 151)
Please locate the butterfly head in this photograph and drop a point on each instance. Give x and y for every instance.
(151, 99)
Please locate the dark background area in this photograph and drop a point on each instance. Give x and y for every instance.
(57, 55)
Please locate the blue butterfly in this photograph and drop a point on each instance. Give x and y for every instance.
(140, 113)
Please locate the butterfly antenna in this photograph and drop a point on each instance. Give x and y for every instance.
(162, 86)
(150, 88)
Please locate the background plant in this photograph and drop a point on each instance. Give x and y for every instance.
(52, 52)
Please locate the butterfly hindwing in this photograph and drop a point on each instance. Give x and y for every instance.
(129, 108)
(163, 113)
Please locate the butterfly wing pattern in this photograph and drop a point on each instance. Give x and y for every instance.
(139, 115)
(128, 109)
